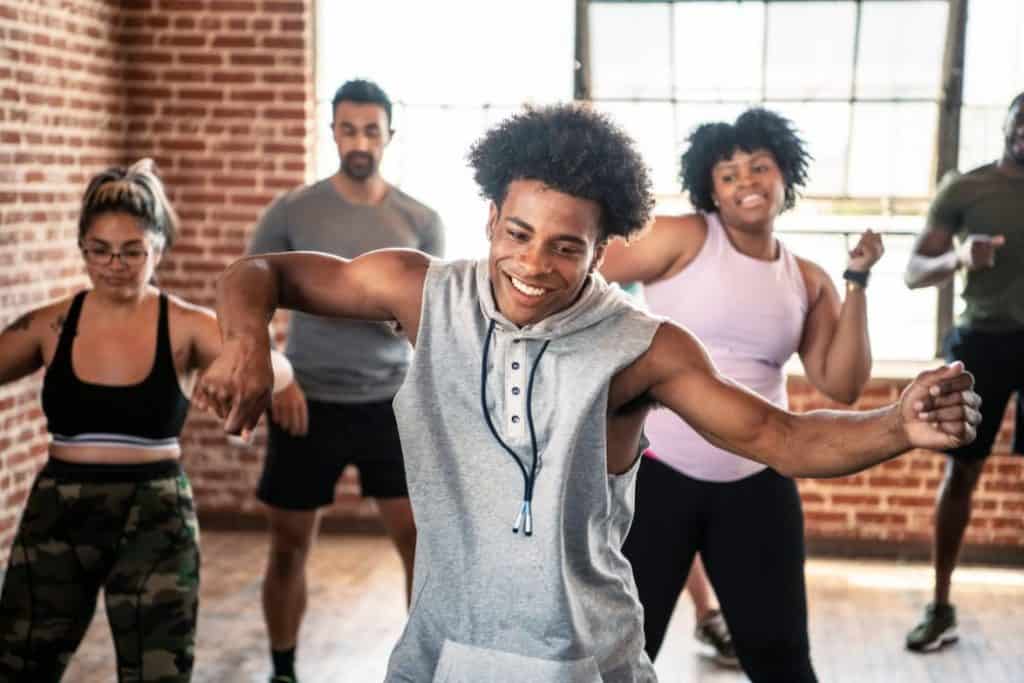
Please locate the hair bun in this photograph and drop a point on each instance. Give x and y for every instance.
(143, 165)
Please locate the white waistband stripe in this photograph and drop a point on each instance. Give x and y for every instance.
(116, 441)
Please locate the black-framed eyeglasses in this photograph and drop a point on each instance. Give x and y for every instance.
(104, 256)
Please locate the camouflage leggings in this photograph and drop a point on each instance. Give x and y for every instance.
(130, 530)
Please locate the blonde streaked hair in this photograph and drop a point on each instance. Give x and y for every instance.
(135, 190)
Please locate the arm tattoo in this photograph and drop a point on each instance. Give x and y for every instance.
(58, 324)
(21, 324)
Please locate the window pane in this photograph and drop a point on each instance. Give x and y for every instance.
(414, 64)
(708, 69)
(889, 64)
(446, 91)
(629, 50)
(652, 126)
(810, 49)
(993, 75)
(892, 150)
(824, 126)
(994, 58)
(981, 135)
(901, 322)
(430, 164)
(689, 116)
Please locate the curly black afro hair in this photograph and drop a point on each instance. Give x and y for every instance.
(754, 129)
(573, 150)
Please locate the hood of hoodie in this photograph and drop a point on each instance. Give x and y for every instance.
(597, 301)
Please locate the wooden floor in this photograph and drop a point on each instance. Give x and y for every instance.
(860, 611)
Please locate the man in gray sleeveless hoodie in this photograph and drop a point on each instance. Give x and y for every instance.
(522, 411)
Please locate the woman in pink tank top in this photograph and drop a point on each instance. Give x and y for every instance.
(722, 274)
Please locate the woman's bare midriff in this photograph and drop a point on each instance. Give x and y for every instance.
(100, 455)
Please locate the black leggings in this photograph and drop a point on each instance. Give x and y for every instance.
(750, 535)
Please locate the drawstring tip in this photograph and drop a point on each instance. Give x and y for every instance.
(524, 519)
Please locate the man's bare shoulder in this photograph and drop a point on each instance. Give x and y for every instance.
(673, 350)
(404, 267)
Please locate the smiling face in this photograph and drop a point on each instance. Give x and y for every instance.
(124, 277)
(748, 188)
(544, 244)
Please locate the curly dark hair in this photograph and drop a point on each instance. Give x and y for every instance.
(754, 129)
(573, 150)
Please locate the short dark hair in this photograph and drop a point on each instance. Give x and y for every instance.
(364, 92)
(571, 149)
(1016, 100)
(754, 129)
(135, 190)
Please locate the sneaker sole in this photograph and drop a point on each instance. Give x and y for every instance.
(947, 637)
(708, 651)
(719, 660)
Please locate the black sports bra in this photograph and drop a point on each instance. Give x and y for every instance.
(149, 414)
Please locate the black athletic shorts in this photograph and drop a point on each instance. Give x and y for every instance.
(300, 473)
(996, 359)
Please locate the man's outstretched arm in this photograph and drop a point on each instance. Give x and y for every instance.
(939, 410)
(382, 285)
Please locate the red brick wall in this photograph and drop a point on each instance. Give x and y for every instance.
(60, 121)
(893, 503)
(220, 93)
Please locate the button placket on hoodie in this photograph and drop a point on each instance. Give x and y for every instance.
(515, 373)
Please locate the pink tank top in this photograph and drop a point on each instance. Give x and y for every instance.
(750, 315)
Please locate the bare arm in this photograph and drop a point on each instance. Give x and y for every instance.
(382, 285)
(933, 259)
(835, 348)
(206, 345)
(937, 411)
(21, 351)
(648, 257)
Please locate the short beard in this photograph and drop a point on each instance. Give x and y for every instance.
(357, 173)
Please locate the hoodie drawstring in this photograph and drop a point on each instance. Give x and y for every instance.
(525, 517)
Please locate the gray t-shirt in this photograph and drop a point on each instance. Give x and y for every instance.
(343, 361)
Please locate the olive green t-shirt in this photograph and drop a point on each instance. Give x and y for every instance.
(986, 201)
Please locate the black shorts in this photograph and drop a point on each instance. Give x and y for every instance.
(996, 359)
(300, 473)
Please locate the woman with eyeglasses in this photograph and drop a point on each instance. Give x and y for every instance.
(723, 274)
(112, 508)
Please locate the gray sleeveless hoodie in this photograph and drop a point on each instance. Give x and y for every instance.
(490, 604)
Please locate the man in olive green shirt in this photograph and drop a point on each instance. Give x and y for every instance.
(984, 211)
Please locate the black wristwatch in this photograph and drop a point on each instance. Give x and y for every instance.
(858, 277)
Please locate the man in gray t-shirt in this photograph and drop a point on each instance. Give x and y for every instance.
(338, 410)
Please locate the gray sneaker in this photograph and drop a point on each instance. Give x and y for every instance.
(713, 632)
(936, 630)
